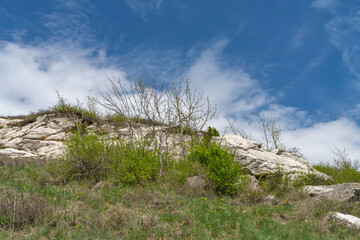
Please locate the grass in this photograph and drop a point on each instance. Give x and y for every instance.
(339, 175)
(78, 210)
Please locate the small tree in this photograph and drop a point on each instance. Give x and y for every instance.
(342, 160)
(271, 132)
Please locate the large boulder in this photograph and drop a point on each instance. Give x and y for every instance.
(340, 192)
(257, 161)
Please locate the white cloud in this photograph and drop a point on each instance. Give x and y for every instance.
(143, 7)
(318, 141)
(29, 75)
(234, 91)
(324, 4)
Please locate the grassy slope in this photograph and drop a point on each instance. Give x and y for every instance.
(154, 211)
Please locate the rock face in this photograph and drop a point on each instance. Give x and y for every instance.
(257, 161)
(348, 220)
(340, 192)
(39, 138)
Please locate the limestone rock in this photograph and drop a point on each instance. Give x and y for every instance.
(40, 133)
(348, 220)
(251, 182)
(15, 153)
(196, 183)
(257, 161)
(269, 200)
(339, 192)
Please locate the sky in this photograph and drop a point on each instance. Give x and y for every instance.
(297, 61)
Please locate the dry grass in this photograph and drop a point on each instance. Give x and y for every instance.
(19, 210)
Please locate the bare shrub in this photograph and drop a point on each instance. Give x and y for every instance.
(231, 128)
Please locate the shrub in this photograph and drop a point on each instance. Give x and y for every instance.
(211, 132)
(133, 164)
(89, 157)
(84, 158)
(219, 165)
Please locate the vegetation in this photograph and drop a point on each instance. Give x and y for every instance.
(51, 209)
(109, 188)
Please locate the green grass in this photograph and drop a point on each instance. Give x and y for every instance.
(339, 175)
(77, 210)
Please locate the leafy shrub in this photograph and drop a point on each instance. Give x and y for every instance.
(219, 164)
(211, 132)
(132, 164)
(89, 157)
(84, 158)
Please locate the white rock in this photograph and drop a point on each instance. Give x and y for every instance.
(56, 137)
(15, 153)
(338, 192)
(349, 220)
(257, 161)
(40, 133)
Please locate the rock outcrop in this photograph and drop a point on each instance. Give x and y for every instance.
(339, 193)
(42, 137)
(257, 161)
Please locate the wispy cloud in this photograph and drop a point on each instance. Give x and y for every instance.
(298, 38)
(143, 7)
(344, 30)
(70, 22)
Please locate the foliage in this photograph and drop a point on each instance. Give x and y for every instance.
(339, 175)
(343, 169)
(84, 158)
(211, 132)
(80, 210)
(219, 164)
(132, 164)
(89, 157)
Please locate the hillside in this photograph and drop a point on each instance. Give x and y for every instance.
(66, 177)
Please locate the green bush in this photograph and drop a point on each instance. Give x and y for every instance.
(84, 158)
(132, 164)
(89, 157)
(211, 132)
(219, 164)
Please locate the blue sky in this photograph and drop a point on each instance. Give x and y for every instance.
(296, 60)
